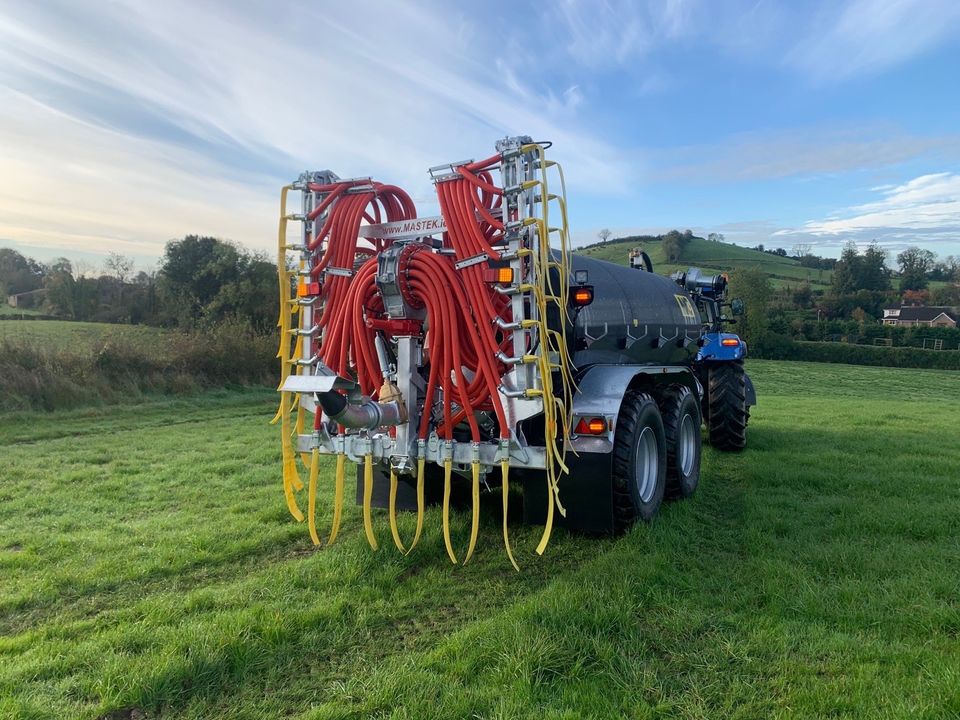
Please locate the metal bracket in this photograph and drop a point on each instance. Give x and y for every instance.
(341, 272)
(468, 262)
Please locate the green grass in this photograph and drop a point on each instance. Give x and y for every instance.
(74, 336)
(5, 309)
(149, 564)
(717, 257)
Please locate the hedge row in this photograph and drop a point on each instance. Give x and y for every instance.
(899, 335)
(784, 348)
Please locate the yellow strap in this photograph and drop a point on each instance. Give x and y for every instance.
(394, 530)
(312, 496)
(447, 468)
(337, 498)
(505, 471)
(367, 498)
(475, 522)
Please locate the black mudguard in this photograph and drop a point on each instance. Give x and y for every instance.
(586, 493)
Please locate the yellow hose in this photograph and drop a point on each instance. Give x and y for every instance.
(394, 530)
(312, 496)
(367, 499)
(548, 525)
(447, 468)
(505, 470)
(337, 498)
(475, 522)
(301, 413)
(416, 535)
(291, 478)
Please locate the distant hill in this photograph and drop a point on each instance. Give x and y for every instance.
(716, 256)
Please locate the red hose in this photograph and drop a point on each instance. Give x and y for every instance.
(460, 306)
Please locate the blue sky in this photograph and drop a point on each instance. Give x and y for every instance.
(126, 124)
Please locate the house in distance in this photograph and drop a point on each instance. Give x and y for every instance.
(919, 315)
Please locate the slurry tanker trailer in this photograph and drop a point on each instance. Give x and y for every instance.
(473, 351)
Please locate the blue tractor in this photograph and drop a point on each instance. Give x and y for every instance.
(728, 392)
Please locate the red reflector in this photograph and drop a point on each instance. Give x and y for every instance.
(591, 426)
(581, 295)
(730, 342)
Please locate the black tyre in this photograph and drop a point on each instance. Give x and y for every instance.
(639, 461)
(727, 412)
(681, 425)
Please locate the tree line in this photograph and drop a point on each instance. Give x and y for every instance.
(198, 281)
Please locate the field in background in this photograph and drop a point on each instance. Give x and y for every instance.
(150, 567)
(715, 256)
(77, 336)
(5, 309)
(53, 365)
(725, 257)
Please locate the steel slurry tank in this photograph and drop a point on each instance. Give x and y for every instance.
(636, 317)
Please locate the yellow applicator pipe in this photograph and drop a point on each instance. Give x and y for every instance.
(367, 500)
(394, 530)
(447, 468)
(475, 521)
(505, 470)
(416, 536)
(420, 507)
(291, 478)
(548, 526)
(312, 496)
(301, 416)
(337, 498)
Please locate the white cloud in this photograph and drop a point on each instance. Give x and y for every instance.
(922, 211)
(796, 152)
(68, 185)
(865, 36)
(929, 204)
(130, 123)
(602, 34)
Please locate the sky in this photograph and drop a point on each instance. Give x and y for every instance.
(125, 124)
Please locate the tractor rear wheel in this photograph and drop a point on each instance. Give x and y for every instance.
(727, 411)
(681, 424)
(639, 461)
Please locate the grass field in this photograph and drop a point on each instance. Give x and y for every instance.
(75, 336)
(150, 569)
(7, 310)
